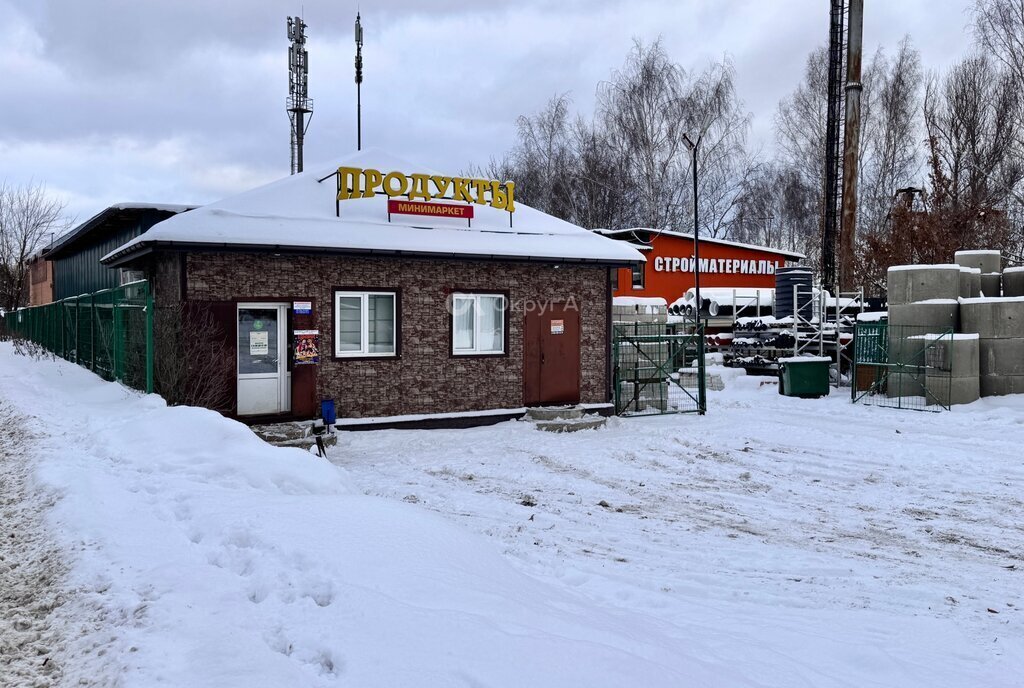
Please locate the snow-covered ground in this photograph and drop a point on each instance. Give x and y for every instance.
(773, 542)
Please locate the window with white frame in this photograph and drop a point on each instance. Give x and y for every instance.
(365, 323)
(478, 324)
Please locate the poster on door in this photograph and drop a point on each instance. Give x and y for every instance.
(307, 347)
(259, 343)
(557, 327)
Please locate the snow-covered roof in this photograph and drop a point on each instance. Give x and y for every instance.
(297, 214)
(166, 207)
(704, 240)
(70, 239)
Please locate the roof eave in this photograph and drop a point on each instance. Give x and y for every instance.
(125, 255)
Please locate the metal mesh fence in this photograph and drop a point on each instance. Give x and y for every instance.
(901, 366)
(658, 368)
(110, 332)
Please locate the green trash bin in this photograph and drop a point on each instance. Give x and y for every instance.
(804, 376)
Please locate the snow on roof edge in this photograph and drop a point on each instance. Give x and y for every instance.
(685, 235)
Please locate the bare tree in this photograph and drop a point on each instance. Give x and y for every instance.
(891, 157)
(800, 136)
(28, 218)
(715, 114)
(642, 108)
(974, 115)
(543, 157)
(628, 165)
(777, 208)
(999, 29)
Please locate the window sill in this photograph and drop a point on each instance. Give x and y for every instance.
(365, 357)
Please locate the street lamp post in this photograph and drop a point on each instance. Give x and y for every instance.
(701, 391)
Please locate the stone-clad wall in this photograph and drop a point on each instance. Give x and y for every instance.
(425, 378)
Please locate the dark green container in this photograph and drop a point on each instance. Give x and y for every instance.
(805, 377)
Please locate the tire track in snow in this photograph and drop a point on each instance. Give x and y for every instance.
(32, 568)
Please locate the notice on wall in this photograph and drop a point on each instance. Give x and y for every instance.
(259, 343)
(302, 307)
(307, 347)
(557, 327)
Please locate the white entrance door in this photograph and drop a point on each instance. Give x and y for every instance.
(264, 383)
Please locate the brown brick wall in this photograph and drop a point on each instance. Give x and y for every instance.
(164, 274)
(426, 378)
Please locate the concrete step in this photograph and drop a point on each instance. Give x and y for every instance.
(294, 434)
(572, 424)
(544, 413)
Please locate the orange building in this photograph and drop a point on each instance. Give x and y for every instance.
(669, 270)
(40, 283)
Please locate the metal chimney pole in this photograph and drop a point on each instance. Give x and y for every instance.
(359, 83)
(851, 143)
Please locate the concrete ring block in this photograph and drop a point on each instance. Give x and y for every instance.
(991, 284)
(975, 285)
(1013, 282)
(1000, 385)
(909, 283)
(970, 283)
(955, 356)
(986, 261)
(936, 316)
(952, 391)
(993, 318)
(904, 385)
(1001, 356)
(965, 283)
(906, 349)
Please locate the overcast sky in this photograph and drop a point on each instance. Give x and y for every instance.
(182, 101)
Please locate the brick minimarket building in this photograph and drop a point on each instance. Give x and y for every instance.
(392, 291)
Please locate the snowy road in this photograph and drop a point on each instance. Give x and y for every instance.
(774, 542)
(865, 528)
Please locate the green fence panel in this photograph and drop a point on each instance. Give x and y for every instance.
(658, 368)
(895, 366)
(110, 332)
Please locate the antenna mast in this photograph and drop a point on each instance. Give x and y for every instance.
(359, 83)
(298, 104)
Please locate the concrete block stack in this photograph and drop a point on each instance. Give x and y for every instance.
(644, 396)
(982, 304)
(642, 360)
(999, 323)
(952, 369)
(989, 264)
(922, 300)
(628, 309)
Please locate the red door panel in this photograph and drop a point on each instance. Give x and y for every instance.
(552, 356)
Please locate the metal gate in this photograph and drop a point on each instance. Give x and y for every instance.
(658, 369)
(902, 366)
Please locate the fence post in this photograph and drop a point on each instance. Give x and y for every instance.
(78, 331)
(92, 332)
(702, 391)
(149, 340)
